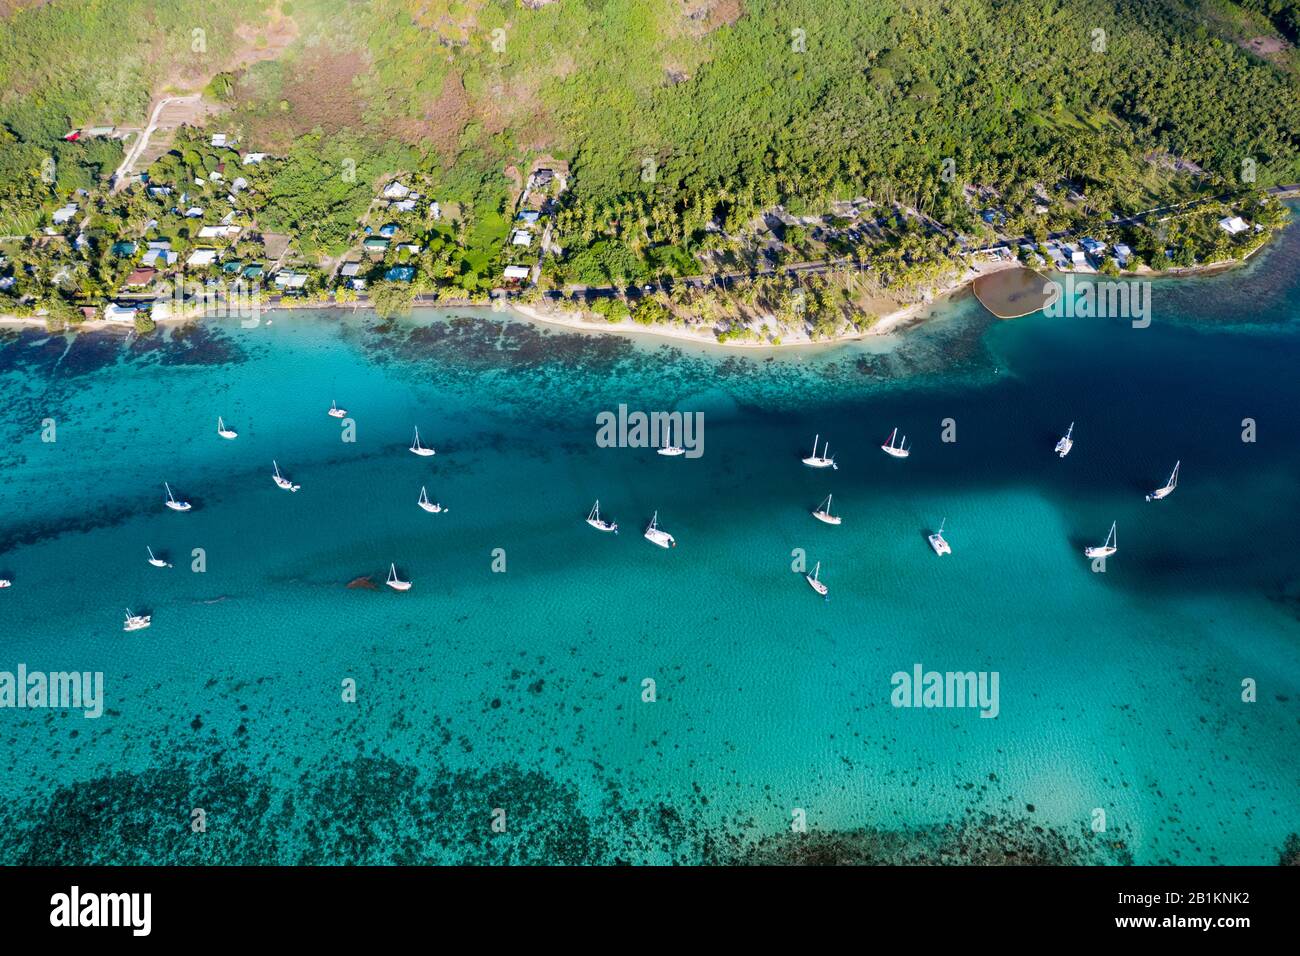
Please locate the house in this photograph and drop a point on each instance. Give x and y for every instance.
(64, 214)
(435, 211)
(375, 245)
(521, 237)
(220, 232)
(119, 313)
(140, 277)
(529, 216)
(402, 205)
(159, 192)
(219, 139)
(201, 257)
(350, 269)
(238, 185)
(290, 280)
(232, 267)
(388, 230)
(253, 271)
(194, 212)
(1233, 226)
(100, 131)
(1122, 254)
(400, 274)
(155, 256)
(396, 190)
(1092, 246)
(516, 272)
(543, 177)
(252, 159)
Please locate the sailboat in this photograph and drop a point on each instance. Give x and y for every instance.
(171, 501)
(225, 432)
(1066, 443)
(136, 622)
(823, 512)
(820, 461)
(1169, 487)
(596, 521)
(394, 582)
(655, 536)
(430, 506)
(157, 562)
(281, 481)
(937, 541)
(335, 411)
(1107, 549)
(669, 449)
(896, 451)
(418, 449)
(6, 583)
(815, 584)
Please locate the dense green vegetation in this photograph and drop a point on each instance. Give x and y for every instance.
(676, 131)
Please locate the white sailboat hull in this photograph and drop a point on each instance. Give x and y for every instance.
(137, 623)
(672, 452)
(178, 505)
(661, 538)
(284, 483)
(1101, 552)
(6, 583)
(816, 585)
(399, 585)
(895, 452)
(826, 518)
(1161, 493)
(228, 434)
(601, 525)
(422, 452)
(432, 507)
(337, 412)
(939, 545)
(159, 563)
(1063, 447)
(812, 462)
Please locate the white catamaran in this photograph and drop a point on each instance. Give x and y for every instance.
(1066, 443)
(223, 431)
(1169, 487)
(938, 542)
(336, 412)
(815, 584)
(1107, 549)
(430, 506)
(281, 481)
(171, 501)
(655, 536)
(6, 583)
(823, 460)
(896, 451)
(394, 582)
(418, 449)
(156, 561)
(823, 512)
(600, 524)
(136, 622)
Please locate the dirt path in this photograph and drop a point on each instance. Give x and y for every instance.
(122, 176)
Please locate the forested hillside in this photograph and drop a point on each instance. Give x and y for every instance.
(672, 114)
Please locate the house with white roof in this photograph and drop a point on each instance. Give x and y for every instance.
(119, 313)
(64, 214)
(396, 190)
(516, 272)
(252, 159)
(202, 257)
(521, 237)
(290, 280)
(1233, 225)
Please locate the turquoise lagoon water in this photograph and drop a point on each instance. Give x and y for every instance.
(522, 691)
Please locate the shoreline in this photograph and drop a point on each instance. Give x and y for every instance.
(895, 321)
